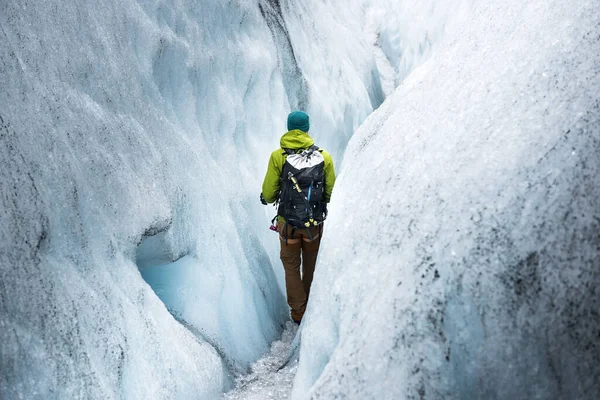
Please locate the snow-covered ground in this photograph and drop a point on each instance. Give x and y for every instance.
(272, 376)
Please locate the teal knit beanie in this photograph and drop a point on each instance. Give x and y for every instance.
(298, 120)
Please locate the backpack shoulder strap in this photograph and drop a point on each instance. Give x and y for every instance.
(288, 152)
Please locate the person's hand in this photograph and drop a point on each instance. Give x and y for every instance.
(262, 199)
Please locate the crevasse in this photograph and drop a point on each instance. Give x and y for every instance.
(133, 140)
(460, 259)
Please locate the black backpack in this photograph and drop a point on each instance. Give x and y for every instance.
(301, 197)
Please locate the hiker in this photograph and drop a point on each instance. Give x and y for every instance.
(300, 177)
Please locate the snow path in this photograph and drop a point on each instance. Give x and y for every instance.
(265, 382)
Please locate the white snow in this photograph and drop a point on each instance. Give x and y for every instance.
(272, 376)
(461, 255)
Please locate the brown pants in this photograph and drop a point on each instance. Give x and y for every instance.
(303, 241)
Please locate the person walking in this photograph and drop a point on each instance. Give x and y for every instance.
(300, 178)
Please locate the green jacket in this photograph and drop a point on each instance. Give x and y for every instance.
(295, 139)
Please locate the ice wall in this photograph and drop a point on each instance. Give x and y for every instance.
(461, 259)
(133, 139)
(407, 33)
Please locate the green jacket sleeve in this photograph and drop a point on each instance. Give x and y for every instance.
(329, 176)
(270, 185)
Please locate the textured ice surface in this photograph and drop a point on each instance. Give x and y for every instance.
(461, 259)
(133, 140)
(271, 377)
(407, 33)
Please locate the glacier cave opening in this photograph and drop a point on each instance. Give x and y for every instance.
(160, 271)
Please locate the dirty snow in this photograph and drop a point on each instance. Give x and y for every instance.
(271, 377)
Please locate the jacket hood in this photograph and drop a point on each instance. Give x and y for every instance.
(296, 139)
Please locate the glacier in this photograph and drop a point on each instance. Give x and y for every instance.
(135, 259)
(461, 256)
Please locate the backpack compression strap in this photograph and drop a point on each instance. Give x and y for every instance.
(290, 152)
